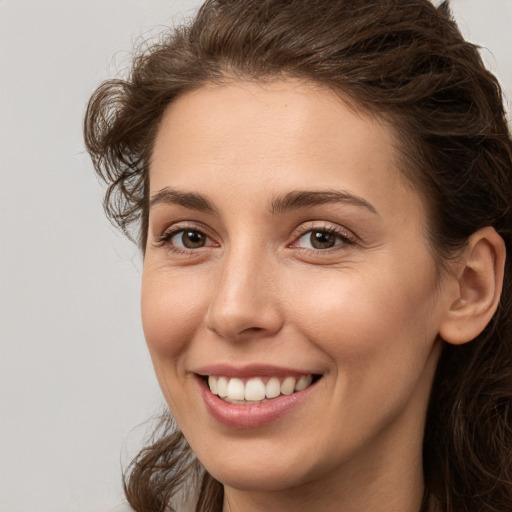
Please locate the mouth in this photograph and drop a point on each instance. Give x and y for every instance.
(255, 395)
(257, 389)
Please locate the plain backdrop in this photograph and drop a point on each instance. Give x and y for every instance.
(76, 383)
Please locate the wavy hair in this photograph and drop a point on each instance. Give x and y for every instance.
(406, 62)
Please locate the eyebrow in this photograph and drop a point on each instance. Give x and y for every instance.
(302, 199)
(189, 200)
(294, 200)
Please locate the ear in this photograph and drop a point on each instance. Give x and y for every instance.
(479, 280)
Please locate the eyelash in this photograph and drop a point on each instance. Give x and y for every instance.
(169, 234)
(341, 234)
(345, 236)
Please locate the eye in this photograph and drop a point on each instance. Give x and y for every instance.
(322, 239)
(188, 239)
(183, 239)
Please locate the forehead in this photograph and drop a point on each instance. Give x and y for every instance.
(282, 135)
(291, 110)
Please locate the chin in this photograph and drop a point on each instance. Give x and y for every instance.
(267, 469)
(249, 478)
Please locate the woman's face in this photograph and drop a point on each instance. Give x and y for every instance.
(285, 250)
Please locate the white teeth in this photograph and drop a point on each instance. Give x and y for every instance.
(222, 387)
(303, 382)
(273, 388)
(212, 382)
(236, 389)
(288, 386)
(255, 390)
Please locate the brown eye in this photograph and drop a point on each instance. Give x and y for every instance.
(189, 239)
(322, 239)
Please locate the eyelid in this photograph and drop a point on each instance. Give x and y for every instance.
(165, 237)
(348, 238)
(181, 225)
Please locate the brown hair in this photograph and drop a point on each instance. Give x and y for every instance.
(405, 61)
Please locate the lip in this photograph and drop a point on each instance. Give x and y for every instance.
(251, 370)
(252, 415)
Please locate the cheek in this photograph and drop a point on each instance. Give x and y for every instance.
(172, 310)
(360, 317)
(379, 334)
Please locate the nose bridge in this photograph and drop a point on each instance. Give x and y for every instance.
(244, 302)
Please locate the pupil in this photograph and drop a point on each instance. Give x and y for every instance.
(322, 240)
(193, 239)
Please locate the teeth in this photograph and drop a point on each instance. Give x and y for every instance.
(212, 382)
(236, 389)
(255, 390)
(222, 387)
(288, 386)
(303, 382)
(273, 388)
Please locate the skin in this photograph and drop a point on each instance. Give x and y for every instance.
(365, 313)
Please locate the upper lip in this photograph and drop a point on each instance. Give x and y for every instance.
(251, 370)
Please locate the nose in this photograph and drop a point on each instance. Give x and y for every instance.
(245, 303)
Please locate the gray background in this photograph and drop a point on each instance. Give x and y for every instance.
(76, 383)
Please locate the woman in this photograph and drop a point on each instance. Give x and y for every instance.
(323, 191)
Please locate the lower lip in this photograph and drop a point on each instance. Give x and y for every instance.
(253, 415)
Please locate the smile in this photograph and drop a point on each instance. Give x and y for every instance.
(256, 389)
(254, 395)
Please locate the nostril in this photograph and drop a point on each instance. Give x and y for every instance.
(253, 329)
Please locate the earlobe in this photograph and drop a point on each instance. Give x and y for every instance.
(480, 271)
